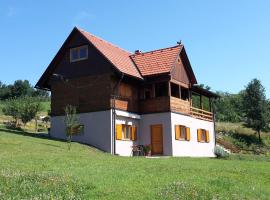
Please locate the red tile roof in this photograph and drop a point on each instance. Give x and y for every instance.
(157, 61)
(117, 56)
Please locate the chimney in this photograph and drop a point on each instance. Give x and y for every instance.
(138, 52)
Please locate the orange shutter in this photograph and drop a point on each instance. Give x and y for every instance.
(134, 133)
(177, 132)
(207, 136)
(199, 132)
(119, 131)
(187, 133)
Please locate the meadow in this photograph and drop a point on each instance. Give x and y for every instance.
(35, 167)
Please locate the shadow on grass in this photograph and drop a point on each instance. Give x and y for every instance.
(29, 134)
(247, 139)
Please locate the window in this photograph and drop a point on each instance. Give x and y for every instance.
(184, 93)
(78, 53)
(182, 133)
(203, 135)
(175, 90)
(161, 89)
(126, 132)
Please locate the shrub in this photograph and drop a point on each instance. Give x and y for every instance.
(220, 152)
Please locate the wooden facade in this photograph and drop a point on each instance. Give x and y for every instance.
(94, 84)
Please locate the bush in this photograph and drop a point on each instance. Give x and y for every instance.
(220, 153)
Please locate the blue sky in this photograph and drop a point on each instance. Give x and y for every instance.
(227, 41)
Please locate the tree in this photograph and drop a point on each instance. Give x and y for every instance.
(255, 107)
(5, 91)
(229, 107)
(29, 108)
(24, 109)
(21, 88)
(72, 123)
(41, 93)
(13, 108)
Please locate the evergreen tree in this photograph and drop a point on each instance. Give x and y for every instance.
(255, 107)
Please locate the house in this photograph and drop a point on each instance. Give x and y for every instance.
(125, 99)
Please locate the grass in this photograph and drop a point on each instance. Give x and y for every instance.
(40, 168)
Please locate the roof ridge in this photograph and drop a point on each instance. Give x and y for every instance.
(109, 43)
(156, 50)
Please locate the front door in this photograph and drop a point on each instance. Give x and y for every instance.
(156, 139)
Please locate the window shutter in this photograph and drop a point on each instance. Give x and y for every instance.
(134, 133)
(207, 136)
(187, 133)
(119, 131)
(199, 132)
(177, 132)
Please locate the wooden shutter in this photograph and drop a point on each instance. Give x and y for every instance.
(207, 136)
(133, 133)
(119, 131)
(199, 132)
(187, 133)
(177, 132)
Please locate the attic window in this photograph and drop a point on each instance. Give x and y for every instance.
(78, 53)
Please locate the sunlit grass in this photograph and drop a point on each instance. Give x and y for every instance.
(36, 168)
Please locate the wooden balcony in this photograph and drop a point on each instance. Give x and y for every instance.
(183, 106)
(201, 114)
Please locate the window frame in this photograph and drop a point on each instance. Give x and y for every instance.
(202, 132)
(186, 137)
(78, 51)
(124, 131)
(132, 136)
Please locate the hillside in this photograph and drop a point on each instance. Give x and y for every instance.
(40, 168)
(239, 139)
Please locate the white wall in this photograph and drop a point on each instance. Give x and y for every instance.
(145, 131)
(193, 147)
(123, 147)
(98, 132)
(97, 129)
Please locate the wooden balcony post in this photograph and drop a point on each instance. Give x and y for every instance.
(169, 88)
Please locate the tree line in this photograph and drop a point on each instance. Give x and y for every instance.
(21, 88)
(249, 106)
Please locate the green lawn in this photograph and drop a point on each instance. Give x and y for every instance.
(39, 168)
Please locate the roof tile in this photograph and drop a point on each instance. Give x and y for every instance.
(157, 61)
(117, 56)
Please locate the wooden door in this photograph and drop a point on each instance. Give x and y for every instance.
(156, 139)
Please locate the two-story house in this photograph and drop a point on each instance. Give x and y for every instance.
(125, 99)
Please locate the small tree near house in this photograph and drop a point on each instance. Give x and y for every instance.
(72, 123)
(255, 107)
(30, 108)
(13, 108)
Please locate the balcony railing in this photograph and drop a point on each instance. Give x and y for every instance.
(201, 114)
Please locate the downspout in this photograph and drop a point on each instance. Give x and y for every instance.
(115, 90)
(214, 119)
